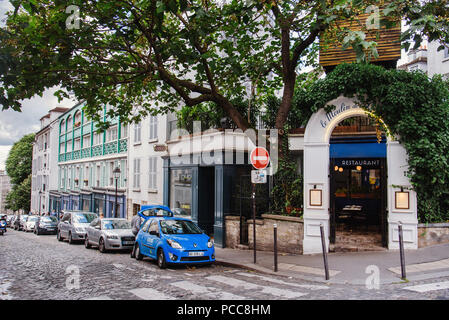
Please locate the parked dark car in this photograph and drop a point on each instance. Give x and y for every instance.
(19, 221)
(46, 225)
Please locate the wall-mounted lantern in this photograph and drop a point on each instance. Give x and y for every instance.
(315, 197)
(402, 199)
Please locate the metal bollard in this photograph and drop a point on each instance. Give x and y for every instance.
(275, 229)
(323, 243)
(401, 251)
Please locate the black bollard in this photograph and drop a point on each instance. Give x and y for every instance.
(275, 228)
(323, 243)
(401, 252)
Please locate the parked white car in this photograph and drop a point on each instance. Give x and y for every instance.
(30, 223)
(109, 234)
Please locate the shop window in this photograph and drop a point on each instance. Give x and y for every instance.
(181, 190)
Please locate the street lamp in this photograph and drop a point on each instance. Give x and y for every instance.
(116, 173)
(40, 198)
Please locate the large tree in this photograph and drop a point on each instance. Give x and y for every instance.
(148, 56)
(19, 167)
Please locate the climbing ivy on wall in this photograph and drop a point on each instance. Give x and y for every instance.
(415, 109)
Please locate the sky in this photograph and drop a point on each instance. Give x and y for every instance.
(14, 125)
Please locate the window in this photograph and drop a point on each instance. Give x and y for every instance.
(97, 138)
(152, 173)
(111, 134)
(69, 146)
(137, 131)
(153, 127)
(78, 119)
(136, 180)
(181, 189)
(98, 176)
(77, 144)
(154, 227)
(62, 127)
(69, 123)
(62, 147)
(124, 131)
(86, 141)
(446, 53)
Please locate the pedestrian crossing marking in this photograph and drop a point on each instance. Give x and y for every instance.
(99, 298)
(429, 287)
(304, 269)
(283, 293)
(150, 294)
(206, 291)
(304, 286)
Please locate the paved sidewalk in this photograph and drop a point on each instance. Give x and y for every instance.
(345, 268)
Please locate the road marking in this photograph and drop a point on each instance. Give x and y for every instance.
(150, 294)
(420, 267)
(234, 282)
(304, 286)
(304, 269)
(429, 287)
(99, 298)
(283, 293)
(212, 293)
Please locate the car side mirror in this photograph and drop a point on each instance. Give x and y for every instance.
(98, 227)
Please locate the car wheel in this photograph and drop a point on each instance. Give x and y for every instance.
(87, 244)
(101, 246)
(70, 238)
(137, 253)
(161, 262)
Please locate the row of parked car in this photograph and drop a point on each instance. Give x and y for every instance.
(164, 237)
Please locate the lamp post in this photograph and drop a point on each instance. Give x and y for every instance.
(40, 198)
(116, 173)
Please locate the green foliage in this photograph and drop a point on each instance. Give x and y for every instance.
(19, 161)
(20, 196)
(416, 111)
(287, 191)
(210, 115)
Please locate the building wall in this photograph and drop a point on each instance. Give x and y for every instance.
(5, 187)
(438, 61)
(145, 175)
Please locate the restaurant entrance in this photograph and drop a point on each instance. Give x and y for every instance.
(358, 193)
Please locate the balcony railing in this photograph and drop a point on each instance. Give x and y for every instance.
(109, 148)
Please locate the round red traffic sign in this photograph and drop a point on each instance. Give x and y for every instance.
(260, 158)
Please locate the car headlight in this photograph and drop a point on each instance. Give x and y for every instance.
(112, 236)
(210, 243)
(174, 244)
(80, 230)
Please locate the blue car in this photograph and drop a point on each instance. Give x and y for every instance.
(172, 240)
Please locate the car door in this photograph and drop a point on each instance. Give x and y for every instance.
(144, 238)
(91, 231)
(153, 237)
(64, 226)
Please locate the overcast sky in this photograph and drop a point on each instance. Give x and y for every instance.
(14, 125)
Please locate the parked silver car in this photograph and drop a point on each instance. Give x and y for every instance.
(73, 225)
(30, 223)
(110, 234)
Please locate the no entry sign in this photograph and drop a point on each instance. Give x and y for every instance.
(260, 158)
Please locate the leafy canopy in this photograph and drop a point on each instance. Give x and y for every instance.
(150, 56)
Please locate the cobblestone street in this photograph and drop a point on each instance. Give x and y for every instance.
(40, 267)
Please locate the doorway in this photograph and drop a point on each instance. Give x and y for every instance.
(358, 187)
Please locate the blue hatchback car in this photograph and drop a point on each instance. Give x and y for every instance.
(172, 240)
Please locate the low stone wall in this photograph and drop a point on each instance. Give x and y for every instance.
(290, 233)
(432, 234)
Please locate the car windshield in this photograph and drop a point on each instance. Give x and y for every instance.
(83, 217)
(115, 224)
(179, 227)
(32, 218)
(49, 219)
(24, 218)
